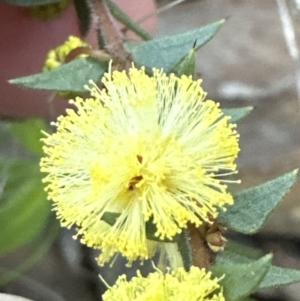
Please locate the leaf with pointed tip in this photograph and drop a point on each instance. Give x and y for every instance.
(275, 277)
(166, 52)
(72, 76)
(240, 280)
(278, 276)
(127, 21)
(237, 113)
(252, 206)
(186, 66)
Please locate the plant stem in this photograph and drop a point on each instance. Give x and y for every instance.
(127, 21)
(201, 253)
(109, 34)
(184, 249)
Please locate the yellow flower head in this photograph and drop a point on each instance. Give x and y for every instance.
(58, 55)
(146, 148)
(178, 285)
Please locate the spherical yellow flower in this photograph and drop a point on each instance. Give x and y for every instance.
(71, 49)
(58, 55)
(146, 148)
(179, 285)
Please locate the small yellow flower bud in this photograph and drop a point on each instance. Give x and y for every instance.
(71, 49)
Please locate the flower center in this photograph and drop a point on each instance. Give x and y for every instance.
(134, 181)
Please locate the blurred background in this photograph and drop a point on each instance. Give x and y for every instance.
(252, 61)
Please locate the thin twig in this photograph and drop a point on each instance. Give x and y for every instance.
(127, 21)
(109, 33)
(201, 254)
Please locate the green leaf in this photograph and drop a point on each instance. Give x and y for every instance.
(244, 250)
(166, 52)
(252, 206)
(127, 21)
(237, 113)
(68, 77)
(42, 246)
(29, 133)
(230, 257)
(111, 218)
(278, 276)
(275, 277)
(185, 249)
(30, 2)
(83, 15)
(186, 66)
(23, 206)
(240, 280)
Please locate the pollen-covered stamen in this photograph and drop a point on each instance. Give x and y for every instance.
(194, 285)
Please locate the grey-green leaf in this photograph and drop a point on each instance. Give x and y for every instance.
(24, 210)
(276, 276)
(240, 280)
(252, 206)
(237, 113)
(30, 2)
(29, 133)
(244, 250)
(166, 52)
(186, 66)
(230, 257)
(68, 77)
(127, 21)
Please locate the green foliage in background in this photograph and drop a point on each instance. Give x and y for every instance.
(24, 212)
(25, 215)
(31, 2)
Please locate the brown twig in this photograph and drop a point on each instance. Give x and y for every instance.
(201, 253)
(206, 241)
(110, 35)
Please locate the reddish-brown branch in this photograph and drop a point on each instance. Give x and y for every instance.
(201, 253)
(110, 34)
